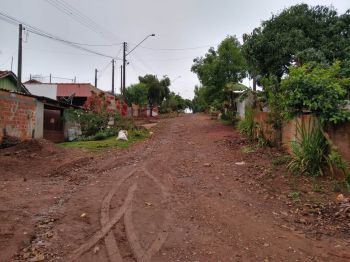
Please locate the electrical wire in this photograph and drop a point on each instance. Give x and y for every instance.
(101, 72)
(107, 65)
(177, 49)
(144, 64)
(81, 18)
(7, 18)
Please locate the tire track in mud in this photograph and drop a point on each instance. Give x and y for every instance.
(106, 228)
(126, 210)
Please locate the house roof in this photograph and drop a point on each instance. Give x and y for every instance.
(4, 73)
(80, 90)
(12, 75)
(33, 81)
(44, 100)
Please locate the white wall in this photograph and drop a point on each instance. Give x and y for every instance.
(241, 105)
(47, 90)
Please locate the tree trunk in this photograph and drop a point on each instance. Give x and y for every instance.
(254, 92)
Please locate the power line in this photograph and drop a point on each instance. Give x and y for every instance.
(81, 18)
(101, 72)
(169, 59)
(107, 65)
(143, 64)
(177, 49)
(7, 18)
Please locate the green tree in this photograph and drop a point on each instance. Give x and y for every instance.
(319, 90)
(218, 68)
(157, 90)
(137, 94)
(298, 35)
(199, 102)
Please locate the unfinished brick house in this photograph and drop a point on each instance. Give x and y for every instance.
(24, 116)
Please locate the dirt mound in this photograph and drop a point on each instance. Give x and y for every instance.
(32, 147)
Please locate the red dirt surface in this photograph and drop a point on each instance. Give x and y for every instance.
(189, 193)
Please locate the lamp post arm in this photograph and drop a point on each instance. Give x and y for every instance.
(140, 43)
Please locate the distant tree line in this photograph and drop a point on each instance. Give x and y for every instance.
(154, 92)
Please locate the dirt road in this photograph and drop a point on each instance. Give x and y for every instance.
(183, 195)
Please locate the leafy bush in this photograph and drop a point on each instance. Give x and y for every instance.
(309, 150)
(320, 90)
(229, 116)
(335, 159)
(247, 125)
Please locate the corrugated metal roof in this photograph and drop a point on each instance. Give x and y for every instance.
(80, 90)
(4, 74)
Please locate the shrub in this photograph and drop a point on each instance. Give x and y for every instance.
(229, 116)
(318, 89)
(247, 125)
(309, 151)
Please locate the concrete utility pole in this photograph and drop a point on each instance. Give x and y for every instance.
(125, 46)
(50, 78)
(124, 63)
(19, 66)
(11, 62)
(96, 77)
(121, 79)
(113, 76)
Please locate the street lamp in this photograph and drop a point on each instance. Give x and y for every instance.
(126, 54)
(141, 43)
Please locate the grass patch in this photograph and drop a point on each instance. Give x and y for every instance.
(280, 160)
(110, 142)
(226, 122)
(295, 196)
(248, 149)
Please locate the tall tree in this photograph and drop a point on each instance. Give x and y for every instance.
(137, 94)
(157, 90)
(220, 67)
(283, 39)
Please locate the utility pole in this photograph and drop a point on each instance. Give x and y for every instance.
(124, 62)
(19, 66)
(11, 62)
(96, 77)
(50, 78)
(121, 79)
(113, 76)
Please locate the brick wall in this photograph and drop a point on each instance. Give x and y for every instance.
(264, 127)
(17, 115)
(340, 134)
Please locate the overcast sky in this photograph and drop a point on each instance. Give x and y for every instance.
(192, 25)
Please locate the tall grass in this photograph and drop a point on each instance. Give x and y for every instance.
(247, 125)
(309, 150)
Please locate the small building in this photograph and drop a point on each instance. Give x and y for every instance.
(8, 81)
(72, 93)
(24, 116)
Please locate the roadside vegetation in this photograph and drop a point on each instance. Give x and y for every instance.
(108, 142)
(299, 60)
(101, 117)
(154, 92)
(100, 123)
